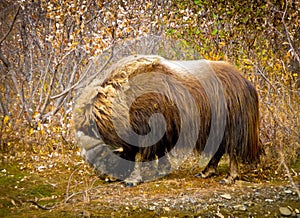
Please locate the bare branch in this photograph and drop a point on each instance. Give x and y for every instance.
(43, 80)
(68, 186)
(83, 77)
(11, 26)
(41, 206)
(47, 99)
(20, 93)
(48, 94)
(297, 190)
(269, 82)
(288, 34)
(4, 60)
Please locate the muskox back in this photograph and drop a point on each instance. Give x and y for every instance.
(195, 98)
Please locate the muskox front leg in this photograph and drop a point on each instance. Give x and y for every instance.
(211, 167)
(164, 166)
(135, 177)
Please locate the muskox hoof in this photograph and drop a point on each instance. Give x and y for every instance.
(132, 181)
(131, 184)
(199, 175)
(229, 180)
(206, 173)
(110, 179)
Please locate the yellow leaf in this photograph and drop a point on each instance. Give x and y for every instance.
(45, 87)
(247, 61)
(6, 119)
(31, 131)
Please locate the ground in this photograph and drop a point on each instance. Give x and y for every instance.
(62, 185)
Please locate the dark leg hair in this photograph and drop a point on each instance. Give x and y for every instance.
(233, 171)
(210, 169)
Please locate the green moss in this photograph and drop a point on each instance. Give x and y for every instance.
(18, 187)
(41, 190)
(296, 163)
(4, 211)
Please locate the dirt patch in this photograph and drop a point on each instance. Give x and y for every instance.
(70, 189)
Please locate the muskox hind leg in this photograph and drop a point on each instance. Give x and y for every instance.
(233, 171)
(211, 167)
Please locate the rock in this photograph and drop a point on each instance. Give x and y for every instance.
(288, 191)
(249, 203)
(152, 208)
(219, 215)
(220, 204)
(240, 207)
(285, 211)
(226, 196)
(269, 200)
(167, 209)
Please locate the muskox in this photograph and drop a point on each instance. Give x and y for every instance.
(146, 110)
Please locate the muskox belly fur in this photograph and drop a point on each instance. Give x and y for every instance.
(123, 102)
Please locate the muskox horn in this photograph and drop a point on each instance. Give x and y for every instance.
(147, 109)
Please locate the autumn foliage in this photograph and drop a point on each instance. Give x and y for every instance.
(46, 46)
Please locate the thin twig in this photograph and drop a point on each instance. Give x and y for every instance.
(48, 94)
(288, 34)
(11, 26)
(269, 82)
(84, 75)
(41, 206)
(68, 186)
(2, 57)
(288, 173)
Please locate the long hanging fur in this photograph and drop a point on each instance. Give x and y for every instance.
(241, 136)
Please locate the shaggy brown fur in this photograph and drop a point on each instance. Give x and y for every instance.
(241, 137)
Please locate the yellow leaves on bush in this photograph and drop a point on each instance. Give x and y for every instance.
(73, 45)
(6, 125)
(56, 129)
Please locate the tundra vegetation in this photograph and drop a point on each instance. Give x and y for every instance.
(45, 49)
